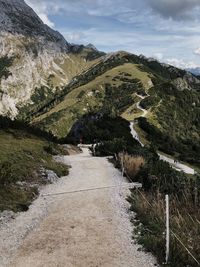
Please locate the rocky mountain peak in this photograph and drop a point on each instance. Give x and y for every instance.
(91, 46)
(40, 59)
(16, 17)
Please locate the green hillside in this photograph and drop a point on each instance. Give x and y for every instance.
(117, 84)
(173, 122)
(23, 157)
(111, 87)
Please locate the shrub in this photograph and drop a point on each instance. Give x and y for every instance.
(51, 149)
(132, 164)
(6, 174)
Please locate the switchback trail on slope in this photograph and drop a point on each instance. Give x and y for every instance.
(83, 229)
(174, 163)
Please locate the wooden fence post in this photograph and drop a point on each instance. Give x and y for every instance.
(167, 229)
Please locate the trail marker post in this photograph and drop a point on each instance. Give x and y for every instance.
(167, 228)
(122, 164)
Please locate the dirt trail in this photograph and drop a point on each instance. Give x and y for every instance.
(175, 164)
(86, 229)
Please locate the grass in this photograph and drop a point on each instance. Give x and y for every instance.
(24, 155)
(71, 66)
(175, 117)
(131, 164)
(132, 112)
(141, 134)
(98, 84)
(184, 218)
(91, 97)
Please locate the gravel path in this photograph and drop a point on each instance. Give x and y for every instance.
(85, 229)
(175, 164)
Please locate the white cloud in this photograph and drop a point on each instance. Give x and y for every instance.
(46, 20)
(41, 8)
(74, 36)
(158, 56)
(197, 51)
(179, 63)
(150, 27)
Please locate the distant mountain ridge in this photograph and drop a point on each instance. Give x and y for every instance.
(195, 71)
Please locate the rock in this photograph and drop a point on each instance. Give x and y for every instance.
(6, 216)
(49, 175)
(33, 47)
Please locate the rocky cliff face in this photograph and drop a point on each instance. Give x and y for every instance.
(37, 53)
(16, 17)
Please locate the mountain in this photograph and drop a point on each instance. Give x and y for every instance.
(16, 18)
(58, 87)
(34, 58)
(113, 87)
(195, 71)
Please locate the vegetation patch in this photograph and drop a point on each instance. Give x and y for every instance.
(5, 63)
(178, 117)
(142, 164)
(22, 157)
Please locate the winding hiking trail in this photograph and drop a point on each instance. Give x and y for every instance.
(82, 229)
(174, 163)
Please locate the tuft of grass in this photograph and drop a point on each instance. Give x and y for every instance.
(132, 164)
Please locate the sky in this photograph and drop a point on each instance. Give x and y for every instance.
(168, 30)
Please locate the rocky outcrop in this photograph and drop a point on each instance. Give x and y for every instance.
(16, 17)
(40, 56)
(34, 48)
(187, 82)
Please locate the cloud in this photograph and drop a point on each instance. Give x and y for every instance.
(155, 28)
(46, 20)
(158, 56)
(197, 51)
(179, 63)
(74, 36)
(41, 8)
(175, 9)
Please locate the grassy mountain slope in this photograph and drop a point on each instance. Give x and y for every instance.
(173, 122)
(117, 84)
(24, 158)
(62, 70)
(42, 60)
(111, 86)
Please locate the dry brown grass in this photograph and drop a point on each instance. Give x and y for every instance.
(131, 164)
(184, 222)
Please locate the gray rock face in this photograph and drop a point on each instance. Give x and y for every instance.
(49, 176)
(35, 49)
(187, 82)
(17, 17)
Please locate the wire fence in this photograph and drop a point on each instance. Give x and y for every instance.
(171, 231)
(175, 235)
(119, 186)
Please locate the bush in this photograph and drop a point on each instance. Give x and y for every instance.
(6, 174)
(109, 148)
(132, 164)
(51, 149)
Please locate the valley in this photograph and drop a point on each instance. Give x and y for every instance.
(91, 142)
